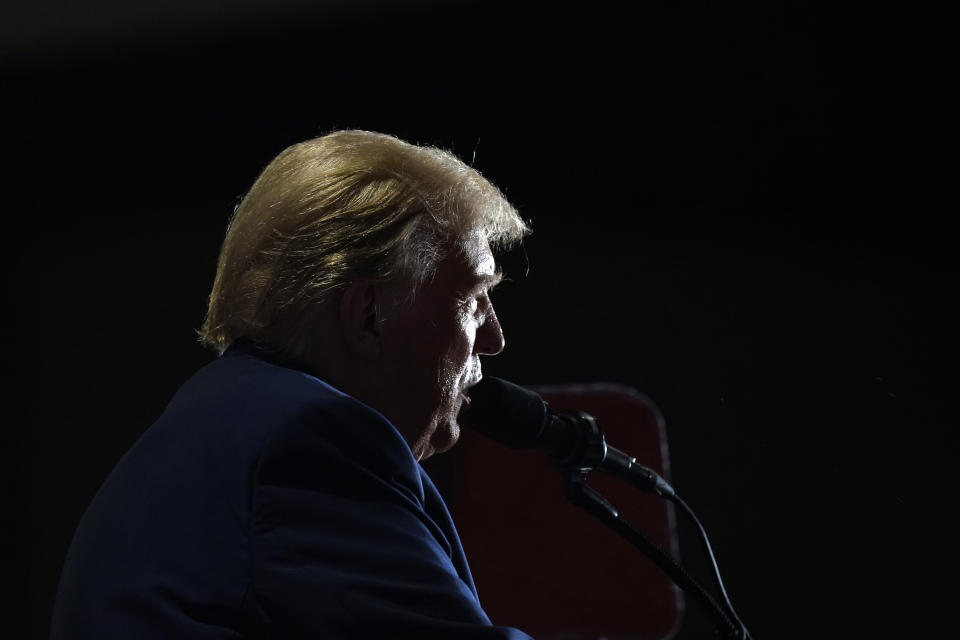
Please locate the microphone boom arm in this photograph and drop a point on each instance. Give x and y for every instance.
(582, 495)
(590, 451)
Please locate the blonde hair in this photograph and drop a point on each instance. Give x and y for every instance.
(345, 206)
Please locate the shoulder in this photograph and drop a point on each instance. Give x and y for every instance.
(286, 417)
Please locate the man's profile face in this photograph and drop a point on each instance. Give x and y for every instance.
(432, 348)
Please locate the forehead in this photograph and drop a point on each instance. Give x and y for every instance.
(477, 257)
(467, 266)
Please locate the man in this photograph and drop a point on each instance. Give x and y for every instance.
(280, 494)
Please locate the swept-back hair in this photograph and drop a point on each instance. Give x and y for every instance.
(345, 206)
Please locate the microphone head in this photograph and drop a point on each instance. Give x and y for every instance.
(508, 413)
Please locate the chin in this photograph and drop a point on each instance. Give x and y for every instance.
(445, 437)
(441, 439)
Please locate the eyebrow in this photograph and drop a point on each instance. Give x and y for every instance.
(492, 280)
(485, 282)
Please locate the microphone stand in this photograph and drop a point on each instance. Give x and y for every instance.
(582, 495)
(590, 452)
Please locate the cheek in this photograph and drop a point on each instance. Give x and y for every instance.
(457, 358)
(462, 346)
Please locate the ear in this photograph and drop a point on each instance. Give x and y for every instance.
(358, 319)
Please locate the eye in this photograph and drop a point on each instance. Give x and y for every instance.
(471, 305)
(476, 303)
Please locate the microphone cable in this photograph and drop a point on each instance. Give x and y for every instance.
(677, 500)
(585, 497)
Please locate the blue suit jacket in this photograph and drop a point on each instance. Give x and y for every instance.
(266, 504)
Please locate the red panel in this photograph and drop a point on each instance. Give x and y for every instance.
(543, 565)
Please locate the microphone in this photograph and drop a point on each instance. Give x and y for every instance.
(521, 419)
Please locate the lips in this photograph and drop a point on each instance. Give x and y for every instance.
(463, 394)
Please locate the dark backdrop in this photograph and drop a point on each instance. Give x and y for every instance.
(742, 212)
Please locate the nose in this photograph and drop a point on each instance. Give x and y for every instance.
(489, 341)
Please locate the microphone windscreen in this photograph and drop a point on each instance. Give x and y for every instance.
(508, 413)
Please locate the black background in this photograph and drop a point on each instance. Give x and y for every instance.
(745, 212)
